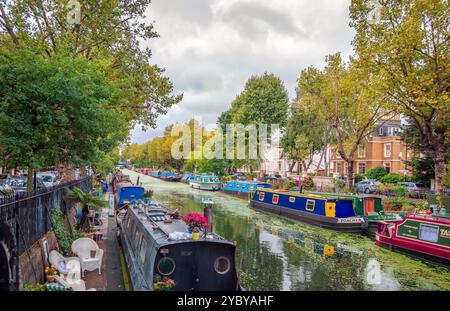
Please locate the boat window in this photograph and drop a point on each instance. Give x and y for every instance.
(222, 265)
(238, 186)
(292, 199)
(310, 205)
(251, 188)
(143, 250)
(166, 266)
(261, 196)
(429, 233)
(275, 198)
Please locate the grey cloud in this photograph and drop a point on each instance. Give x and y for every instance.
(253, 20)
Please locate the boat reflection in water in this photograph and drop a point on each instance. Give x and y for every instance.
(158, 245)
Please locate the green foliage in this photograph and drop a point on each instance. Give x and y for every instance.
(359, 177)
(308, 183)
(376, 173)
(406, 51)
(59, 227)
(36, 288)
(76, 194)
(446, 177)
(422, 169)
(393, 178)
(56, 110)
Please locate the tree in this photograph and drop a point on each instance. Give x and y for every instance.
(343, 96)
(407, 50)
(56, 109)
(110, 31)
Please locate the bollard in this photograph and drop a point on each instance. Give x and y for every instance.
(207, 213)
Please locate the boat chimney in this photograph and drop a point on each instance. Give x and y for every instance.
(207, 212)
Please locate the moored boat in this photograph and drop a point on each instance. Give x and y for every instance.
(329, 213)
(206, 182)
(168, 176)
(157, 245)
(367, 206)
(425, 236)
(156, 174)
(187, 178)
(243, 189)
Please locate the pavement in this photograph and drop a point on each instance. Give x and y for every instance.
(111, 278)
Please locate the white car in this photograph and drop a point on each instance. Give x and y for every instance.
(49, 179)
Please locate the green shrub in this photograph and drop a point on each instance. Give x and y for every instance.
(35, 288)
(376, 173)
(65, 238)
(391, 178)
(308, 182)
(359, 177)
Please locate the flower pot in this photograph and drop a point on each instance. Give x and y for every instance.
(196, 236)
(50, 278)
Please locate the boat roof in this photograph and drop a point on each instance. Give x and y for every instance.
(298, 194)
(345, 195)
(248, 182)
(444, 219)
(160, 231)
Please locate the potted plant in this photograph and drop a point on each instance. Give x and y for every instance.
(195, 220)
(50, 273)
(163, 284)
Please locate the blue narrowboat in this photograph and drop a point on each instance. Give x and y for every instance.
(329, 213)
(243, 189)
(187, 178)
(127, 193)
(156, 174)
(169, 176)
(206, 182)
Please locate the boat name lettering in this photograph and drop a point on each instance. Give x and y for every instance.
(345, 220)
(445, 233)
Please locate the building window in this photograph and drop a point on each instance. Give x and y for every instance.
(338, 167)
(361, 151)
(380, 131)
(387, 150)
(279, 166)
(387, 167)
(362, 168)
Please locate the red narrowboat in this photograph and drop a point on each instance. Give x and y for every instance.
(425, 236)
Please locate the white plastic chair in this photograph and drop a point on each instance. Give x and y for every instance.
(83, 248)
(56, 258)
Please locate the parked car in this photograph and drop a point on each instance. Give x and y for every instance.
(48, 178)
(415, 189)
(367, 186)
(20, 184)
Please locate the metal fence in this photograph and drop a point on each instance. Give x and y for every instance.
(28, 214)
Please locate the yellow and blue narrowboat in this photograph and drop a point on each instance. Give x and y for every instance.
(329, 213)
(243, 189)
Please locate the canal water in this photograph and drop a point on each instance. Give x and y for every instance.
(275, 253)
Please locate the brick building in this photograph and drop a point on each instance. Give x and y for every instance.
(383, 147)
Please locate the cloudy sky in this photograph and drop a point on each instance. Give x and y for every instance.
(209, 48)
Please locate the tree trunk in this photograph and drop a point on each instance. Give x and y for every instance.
(439, 169)
(349, 181)
(291, 167)
(30, 179)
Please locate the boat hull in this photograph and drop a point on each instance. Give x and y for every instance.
(338, 224)
(242, 195)
(206, 186)
(426, 253)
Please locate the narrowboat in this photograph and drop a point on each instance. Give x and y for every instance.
(127, 193)
(157, 245)
(421, 235)
(243, 189)
(156, 174)
(329, 213)
(367, 206)
(187, 178)
(168, 176)
(206, 182)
